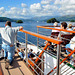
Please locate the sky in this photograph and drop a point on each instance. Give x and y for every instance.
(36, 8)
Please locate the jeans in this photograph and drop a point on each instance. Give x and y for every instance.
(8, 51)
(4, 47)
(68, 46)
(21, 55)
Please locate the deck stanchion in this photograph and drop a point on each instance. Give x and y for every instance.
(42, 65)
(37, 38)
(16, 42)
(58, 59)
(26, 49)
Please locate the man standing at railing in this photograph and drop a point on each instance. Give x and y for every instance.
(8, 37)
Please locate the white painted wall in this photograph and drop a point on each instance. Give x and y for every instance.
(50, 61)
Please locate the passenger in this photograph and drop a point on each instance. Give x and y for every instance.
(30, 54)
(54, 31)
(38, 53)
(18, 44)
(8, 37)
(71, 45)
(56, 26)
(21, 53)
(74, 29)
(70, 27)
(63, 26)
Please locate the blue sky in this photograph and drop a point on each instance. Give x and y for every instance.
(33, 8)
(17, 3)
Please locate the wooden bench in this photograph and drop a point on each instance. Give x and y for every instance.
(54, 34)
(66, 38)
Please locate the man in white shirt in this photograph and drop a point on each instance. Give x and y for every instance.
(8, 37)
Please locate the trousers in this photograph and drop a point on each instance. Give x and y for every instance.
(8, 52)
(68, 46)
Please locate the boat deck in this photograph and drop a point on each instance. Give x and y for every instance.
(18, 67)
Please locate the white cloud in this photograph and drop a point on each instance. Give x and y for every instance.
(44, 8)
(23, 5)
(2, 10)
(35, 9)
(15, 12)
(66, 7)
(64, 2)
(50, 7)
(25, 12)
(47, 1)
(35, 6)
(38, 10)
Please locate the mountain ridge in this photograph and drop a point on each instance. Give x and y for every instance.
(43, 18)
(4, 19)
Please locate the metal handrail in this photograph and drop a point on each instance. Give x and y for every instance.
(56, 29)
(45, 38)
(36, 65)
(37, 56)
(62, 61)
(32, 68)
(42, 37)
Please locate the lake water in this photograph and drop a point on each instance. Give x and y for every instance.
(30, 26)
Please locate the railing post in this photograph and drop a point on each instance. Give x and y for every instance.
(2, 53)
(37, 38)
(58, 59)
(26, 48)
(42, 65)
(16, 42)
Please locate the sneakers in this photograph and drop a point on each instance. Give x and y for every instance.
(7, 64)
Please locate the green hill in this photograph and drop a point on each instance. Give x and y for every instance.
(52, 20)
(66, 18)
(19, 21)
(4, 19)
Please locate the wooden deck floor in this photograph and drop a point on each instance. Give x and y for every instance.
(17, 68)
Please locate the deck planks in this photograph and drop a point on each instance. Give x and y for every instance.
(17, 68)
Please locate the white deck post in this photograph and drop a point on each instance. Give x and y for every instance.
(26, 48)
(37, 38)
(58, 59)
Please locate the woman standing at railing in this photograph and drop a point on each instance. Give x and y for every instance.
(8, 37)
